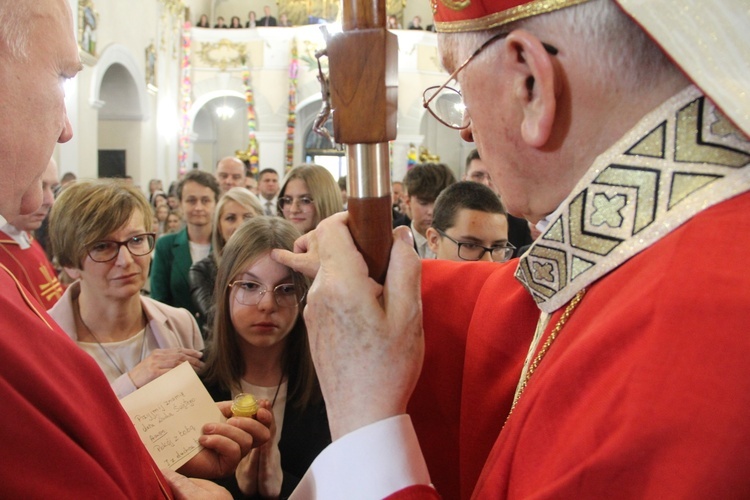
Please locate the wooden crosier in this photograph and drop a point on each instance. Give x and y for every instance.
(363, 76)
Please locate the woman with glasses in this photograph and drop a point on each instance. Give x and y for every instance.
(235, 207)
(101, 235)
(309, 194)
(259, 346)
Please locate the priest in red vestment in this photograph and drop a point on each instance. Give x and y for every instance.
(609, 360)
(22, 254)
(64, 433)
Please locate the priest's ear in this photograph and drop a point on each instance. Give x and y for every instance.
(534, 71)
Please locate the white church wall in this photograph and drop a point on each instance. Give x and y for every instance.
(268, 52)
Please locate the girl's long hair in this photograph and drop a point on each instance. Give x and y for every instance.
(225, 365)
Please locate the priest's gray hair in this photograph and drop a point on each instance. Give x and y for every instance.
(15, 16)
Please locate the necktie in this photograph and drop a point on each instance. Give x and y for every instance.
(269, 208)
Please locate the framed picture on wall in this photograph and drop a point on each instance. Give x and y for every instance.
(87, 25)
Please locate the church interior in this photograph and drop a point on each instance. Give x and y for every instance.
(159, 96)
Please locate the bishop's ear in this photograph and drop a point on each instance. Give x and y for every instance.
(534, 84)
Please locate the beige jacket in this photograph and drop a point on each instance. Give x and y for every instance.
(171, 327)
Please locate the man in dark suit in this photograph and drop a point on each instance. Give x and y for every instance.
(423, 183)
(267, 19)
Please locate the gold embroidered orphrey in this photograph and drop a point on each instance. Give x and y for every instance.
(679, 160)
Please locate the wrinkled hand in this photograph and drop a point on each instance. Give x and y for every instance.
(260, 471)
(224, 445)
(160, 361)
(193, 489)
(366, 339)
(304, 259)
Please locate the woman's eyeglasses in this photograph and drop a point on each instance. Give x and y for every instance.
(106, 250)
(304, 202)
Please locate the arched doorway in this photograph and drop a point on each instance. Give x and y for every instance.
(119, 95)
(219, 128)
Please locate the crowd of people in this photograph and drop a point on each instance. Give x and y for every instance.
(593, 364)
(140, 294)
(268, 20)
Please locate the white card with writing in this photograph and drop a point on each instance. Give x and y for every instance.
(169, 413)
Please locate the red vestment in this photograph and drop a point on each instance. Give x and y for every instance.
(64, 433)
(468, 378)
(645, 393)
(32, 268)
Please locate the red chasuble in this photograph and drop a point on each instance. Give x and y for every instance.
(32, 268)
(644, 393)
(64, 433)
(474, 355)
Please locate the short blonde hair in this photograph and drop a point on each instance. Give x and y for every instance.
(322, 187)
(89, 211)
(239, 195)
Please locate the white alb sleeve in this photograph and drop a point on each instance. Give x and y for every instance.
(369, 463)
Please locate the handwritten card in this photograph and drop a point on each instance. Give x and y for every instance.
(168, 414)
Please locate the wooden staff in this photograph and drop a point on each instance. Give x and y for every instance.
(363, 74)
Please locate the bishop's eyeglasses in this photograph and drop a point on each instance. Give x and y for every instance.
(446, 103)
(475, 251)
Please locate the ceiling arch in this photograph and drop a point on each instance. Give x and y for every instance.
(118, 86)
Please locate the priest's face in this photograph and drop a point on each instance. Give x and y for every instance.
(33, 221)
(33, 71)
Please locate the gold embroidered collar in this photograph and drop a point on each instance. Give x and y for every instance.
(679, 160)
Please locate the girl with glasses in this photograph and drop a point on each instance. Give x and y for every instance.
(259, 346)
(101, 236)
(309, 194)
